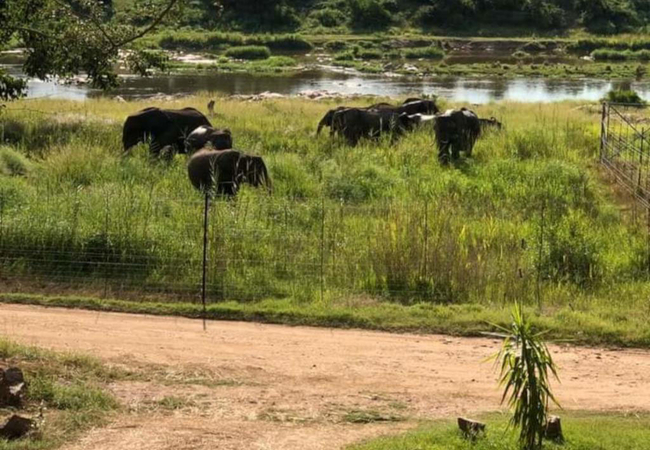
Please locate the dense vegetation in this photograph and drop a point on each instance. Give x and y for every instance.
(381, 225)
(466, 16)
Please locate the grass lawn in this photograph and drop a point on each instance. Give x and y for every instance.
(582, 431)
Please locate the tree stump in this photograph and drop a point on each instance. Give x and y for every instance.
(470, 428)
(12, 387)
(16, 428)
(553, 429)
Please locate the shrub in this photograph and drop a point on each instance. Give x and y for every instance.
(623, 96)
(573, 250)
(249, 52)
(288, 42)
(370, 54)
(369, 14)
(335, 45)
(344, 56)
(329, 17)
(610, 55)
(12, 162)
(445, 12)
(424, 52)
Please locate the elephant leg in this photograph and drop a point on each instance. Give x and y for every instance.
(443, 152)
(456, 146)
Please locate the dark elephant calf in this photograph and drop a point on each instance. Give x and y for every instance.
(224, 171)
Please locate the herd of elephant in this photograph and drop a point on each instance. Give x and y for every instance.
(214, 166)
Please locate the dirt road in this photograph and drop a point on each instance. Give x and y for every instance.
(277, 387)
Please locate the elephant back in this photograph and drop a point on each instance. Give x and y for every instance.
(206, 167)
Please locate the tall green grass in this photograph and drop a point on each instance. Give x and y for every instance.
(382, 220)
(249, 52)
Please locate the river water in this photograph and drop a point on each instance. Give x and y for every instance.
(459, 89)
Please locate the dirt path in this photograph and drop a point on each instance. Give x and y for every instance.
(277, 387)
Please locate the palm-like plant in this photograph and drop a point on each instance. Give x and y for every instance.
(525, 364)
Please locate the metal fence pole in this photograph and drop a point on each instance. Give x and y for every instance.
(603, 131)
(206, 207)
(322, 250)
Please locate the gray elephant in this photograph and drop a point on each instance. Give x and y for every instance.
(161, 127)
(218, 139)
(228, 169)
(456, 130)
(356, 123)
(410, 107)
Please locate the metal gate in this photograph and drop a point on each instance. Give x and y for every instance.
(624, 149)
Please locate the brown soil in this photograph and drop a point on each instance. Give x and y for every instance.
(244, 385)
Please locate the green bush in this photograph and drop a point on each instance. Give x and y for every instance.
(329, 17)
(370, 54)
(249, 52)
(624, 96)
(347, 55)
(370, 14)
(335, 45)
(12, 162)
(572, 250)
(424, 52)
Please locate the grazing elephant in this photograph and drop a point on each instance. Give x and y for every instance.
(161, 127)
(228, 169)
(357, 123)
(219, 139)
(326, 121)
(410, 106)
(456, 130)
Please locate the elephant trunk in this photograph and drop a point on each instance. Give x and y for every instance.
(321, 124)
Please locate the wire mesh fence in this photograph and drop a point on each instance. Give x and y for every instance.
(624, 149)
(256, 249)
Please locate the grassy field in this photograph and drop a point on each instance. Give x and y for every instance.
(582, 431)
(378, 236)
(69, 388)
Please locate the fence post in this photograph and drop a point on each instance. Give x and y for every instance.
(426, 239)
(206, 207)
(538, 285)
(603, 131)
(322, 250)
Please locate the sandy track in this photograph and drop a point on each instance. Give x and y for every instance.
(296, 387)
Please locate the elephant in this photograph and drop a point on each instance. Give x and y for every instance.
(162, 127)
(357, 123)
(326, 121)
(456, 130)
(410, 106)
(219, 139)
(228, 169)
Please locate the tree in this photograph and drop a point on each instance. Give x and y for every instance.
(64, 38)
(525, 365)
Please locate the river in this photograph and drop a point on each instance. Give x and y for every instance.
(459, 89)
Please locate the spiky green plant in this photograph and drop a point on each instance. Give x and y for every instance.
(525, 365)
